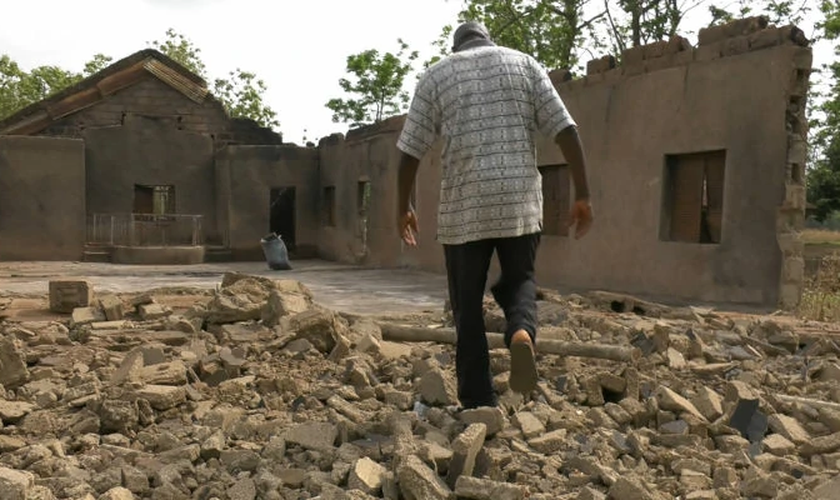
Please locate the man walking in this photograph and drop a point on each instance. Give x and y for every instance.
(488, 103)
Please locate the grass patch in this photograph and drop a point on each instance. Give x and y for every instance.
(821, 297)
(820, 237)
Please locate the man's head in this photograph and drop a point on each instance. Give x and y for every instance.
(470, 34)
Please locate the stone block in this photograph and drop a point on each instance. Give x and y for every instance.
(530, 425)
(366, 475)
(437, 388)
(712, 35)
(492, 417)
(66, 295)
(655, 49)
(550, 443)
(670, 400)
(768, 37)
(417, 480)
(486, 489)
(677, 44)
(465, 449)
(14, 484)
(559, 76)
(632, 56)
(789, 427)
(162, 397)
(13, 370)
(112, 306)
(85, 316)
(313, 435)
(151, 311)
(708, 403)
(735, 46)
(778, 445)
(600, 65)
(792, 34)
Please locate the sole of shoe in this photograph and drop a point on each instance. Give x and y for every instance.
(523, 368)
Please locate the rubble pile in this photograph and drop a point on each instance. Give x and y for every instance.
(259, 392)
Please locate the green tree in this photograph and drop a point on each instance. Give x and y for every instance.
(181, 49)
(551, 31)
(19, 88)
(823, 180)
(241, 93)
(376, 86)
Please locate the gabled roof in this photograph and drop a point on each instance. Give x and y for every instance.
(119, 75)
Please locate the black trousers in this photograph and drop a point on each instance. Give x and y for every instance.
(515, 292)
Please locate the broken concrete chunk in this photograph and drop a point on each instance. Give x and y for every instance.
(670, 400)
(313, 436)
(85, 316)
(112, 306)
(367, 475)
(492, 417)
(437, 388)
(15, 485)
(530, 425)
(708, 403)
(465, 449)
(789, 428)
(13, 370)
(549, 443)
(485, 489)
(418, 482)
(162, 397)
(151, 311)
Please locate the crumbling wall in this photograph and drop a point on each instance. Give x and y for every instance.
(696, 169)
(245, 176)
(152, 98)
(42, 198)
(367, 154)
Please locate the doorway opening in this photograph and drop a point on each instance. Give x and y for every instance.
(282, 214)
(157, 200)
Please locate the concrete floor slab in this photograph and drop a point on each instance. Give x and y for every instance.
(337, 286)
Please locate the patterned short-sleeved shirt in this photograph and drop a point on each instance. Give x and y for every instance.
(488, 104)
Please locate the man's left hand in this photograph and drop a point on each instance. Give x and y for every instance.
(407, 224)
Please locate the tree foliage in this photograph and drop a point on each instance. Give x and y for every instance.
(375, 84)
(20, 88)
(241, 93)
(823, 179)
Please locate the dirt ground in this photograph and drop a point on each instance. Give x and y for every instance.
(339, 287)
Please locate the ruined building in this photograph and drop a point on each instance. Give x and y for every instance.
(697, 159)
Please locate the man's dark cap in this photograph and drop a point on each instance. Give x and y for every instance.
(468, 30)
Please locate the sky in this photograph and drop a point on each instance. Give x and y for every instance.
(299, 48)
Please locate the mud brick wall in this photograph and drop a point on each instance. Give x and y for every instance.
(734, 103)
(152, 98)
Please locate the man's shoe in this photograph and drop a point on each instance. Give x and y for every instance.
(523, 365)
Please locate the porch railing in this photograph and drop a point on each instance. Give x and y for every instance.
(145, 230)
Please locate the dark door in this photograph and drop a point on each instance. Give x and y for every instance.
(144, 199)
(282, 214)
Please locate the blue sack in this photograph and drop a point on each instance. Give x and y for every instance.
(275, 252)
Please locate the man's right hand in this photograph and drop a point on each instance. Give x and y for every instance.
(407, 225)
(581, 216)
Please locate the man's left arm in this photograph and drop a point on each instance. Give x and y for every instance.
(418, 134)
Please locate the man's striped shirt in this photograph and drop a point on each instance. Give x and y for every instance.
(488, 104)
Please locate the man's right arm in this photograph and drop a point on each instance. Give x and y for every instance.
(570, 145)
